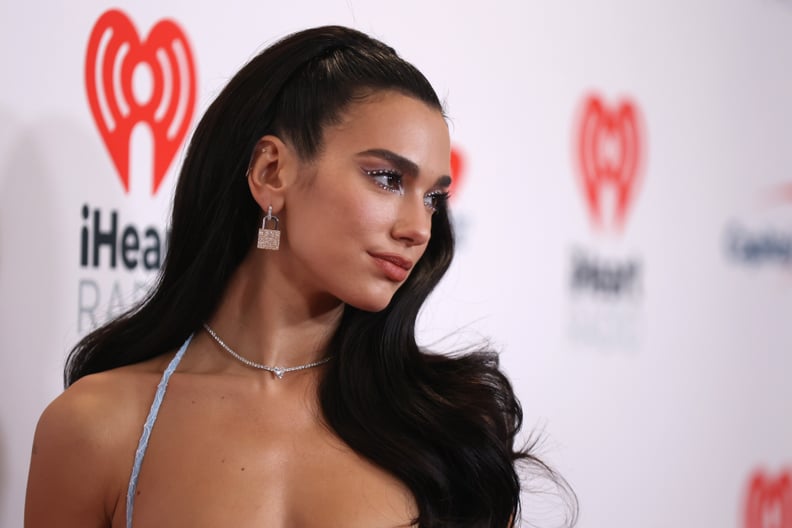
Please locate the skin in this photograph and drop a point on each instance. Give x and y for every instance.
(233, 446)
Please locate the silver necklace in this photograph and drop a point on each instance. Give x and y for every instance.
(278, 371)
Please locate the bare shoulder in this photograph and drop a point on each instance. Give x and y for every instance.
(98, 410)
(83, 447)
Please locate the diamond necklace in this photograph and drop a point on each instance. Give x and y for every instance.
(278, 371)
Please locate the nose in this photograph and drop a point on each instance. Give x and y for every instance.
(413, 226)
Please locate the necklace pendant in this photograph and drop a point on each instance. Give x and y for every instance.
(277, 371)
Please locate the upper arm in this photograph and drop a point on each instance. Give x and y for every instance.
(73, 480)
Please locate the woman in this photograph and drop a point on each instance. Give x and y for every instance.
(309, 226)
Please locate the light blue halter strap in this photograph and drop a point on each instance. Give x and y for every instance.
(144, 437)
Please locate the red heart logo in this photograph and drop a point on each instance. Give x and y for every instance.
(769, 503)
(609, 155)
(115, 53)
(457, 171)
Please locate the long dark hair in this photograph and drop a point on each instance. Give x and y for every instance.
(445, 426)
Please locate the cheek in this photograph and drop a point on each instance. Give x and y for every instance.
(341, 221)
(369, 214)
(355, 207)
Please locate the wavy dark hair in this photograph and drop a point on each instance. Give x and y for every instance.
(445, 426)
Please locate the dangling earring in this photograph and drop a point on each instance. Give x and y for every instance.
(269, 238)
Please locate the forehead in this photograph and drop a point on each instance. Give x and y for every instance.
(393, 121)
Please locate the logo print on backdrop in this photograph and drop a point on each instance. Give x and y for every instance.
(116, 54)
(457, 172)
(605, 305)
(609, 155)
(461, 220)
(769, 501)
(763, 238)
(118, 61)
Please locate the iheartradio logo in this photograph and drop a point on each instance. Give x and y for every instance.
(609, 152)
(116, 63)
(769, 502)
(457, 171)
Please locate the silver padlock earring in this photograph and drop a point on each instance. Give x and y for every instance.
(269, 237)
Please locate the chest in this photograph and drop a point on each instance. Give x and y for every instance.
(225, 460)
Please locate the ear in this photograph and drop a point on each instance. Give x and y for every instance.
(273, 168)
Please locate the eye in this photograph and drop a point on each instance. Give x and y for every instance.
(435, 200)
(388, 179)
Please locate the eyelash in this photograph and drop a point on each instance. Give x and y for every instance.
(392, 177)
(441, 198)
(394, 185)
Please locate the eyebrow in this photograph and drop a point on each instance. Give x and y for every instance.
(404, 165)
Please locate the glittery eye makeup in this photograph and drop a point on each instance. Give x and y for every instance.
(436, 199)
(387, 179)
(391, 177)
(392, 181)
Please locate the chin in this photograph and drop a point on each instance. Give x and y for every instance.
(370, 307)
(372, 302)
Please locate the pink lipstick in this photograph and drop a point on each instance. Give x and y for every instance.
(395, 267)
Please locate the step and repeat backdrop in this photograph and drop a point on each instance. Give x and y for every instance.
(623, 201)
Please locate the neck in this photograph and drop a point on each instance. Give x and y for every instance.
(269, 318)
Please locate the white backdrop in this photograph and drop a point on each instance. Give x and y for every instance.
(653, 347)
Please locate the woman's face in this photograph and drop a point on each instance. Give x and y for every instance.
(361, 217)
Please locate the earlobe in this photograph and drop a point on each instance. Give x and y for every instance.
(269, 172)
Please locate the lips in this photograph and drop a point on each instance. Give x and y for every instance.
(396, 268)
